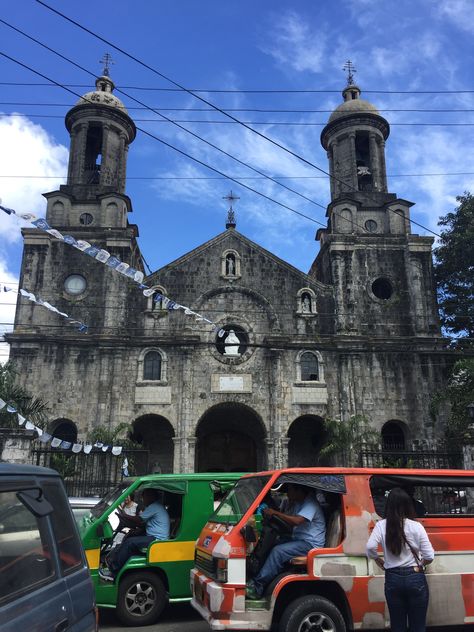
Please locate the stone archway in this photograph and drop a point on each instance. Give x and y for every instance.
(155, 434)
(306, 438)
(64, 429)
(230, 437)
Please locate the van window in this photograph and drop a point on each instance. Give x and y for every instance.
(64, 529)
(25, 555)
(433, 496)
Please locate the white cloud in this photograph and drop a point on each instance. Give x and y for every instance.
(459, 12)
(295, 44)
(27, 149)
(7, 310)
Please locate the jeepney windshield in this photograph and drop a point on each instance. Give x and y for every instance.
(238, 499)
(108, 500)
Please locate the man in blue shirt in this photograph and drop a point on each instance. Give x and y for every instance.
(156, 521)
(306, 518)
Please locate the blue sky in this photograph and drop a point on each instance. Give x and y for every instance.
(421, 48)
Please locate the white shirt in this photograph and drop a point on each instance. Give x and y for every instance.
(415, 534)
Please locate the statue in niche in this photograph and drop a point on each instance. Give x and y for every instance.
(231, 344)
(306, 304)
(230, 265)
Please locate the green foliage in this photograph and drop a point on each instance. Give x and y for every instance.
(115, 436)
(459, 393)
(345, 439)
(63, 464)
(33, 408)
(454, 269)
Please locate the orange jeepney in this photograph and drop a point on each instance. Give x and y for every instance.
(335, 587)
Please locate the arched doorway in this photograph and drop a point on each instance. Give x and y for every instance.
(306, 438)
(230, 438)
(393, 436)
(155, 434)
(64, 429)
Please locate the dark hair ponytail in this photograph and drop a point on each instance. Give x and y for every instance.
(399, 506)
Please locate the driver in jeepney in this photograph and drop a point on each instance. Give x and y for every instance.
(304, 516)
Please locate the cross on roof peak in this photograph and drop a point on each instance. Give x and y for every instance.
(231, 198)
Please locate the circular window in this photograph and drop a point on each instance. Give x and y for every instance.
(233, 342)
(382, 288)
(75, 284)
(86, 219)
(371, 225)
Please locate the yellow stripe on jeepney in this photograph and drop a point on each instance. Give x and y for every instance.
(171, 552)
(93, 558)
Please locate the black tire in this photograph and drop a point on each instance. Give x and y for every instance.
(141, 598)
(312, 613)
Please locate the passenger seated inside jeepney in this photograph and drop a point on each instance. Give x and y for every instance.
(304, 517)
(154, 520)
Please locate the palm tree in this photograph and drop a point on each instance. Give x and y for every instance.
(345, 439)
(33, 408)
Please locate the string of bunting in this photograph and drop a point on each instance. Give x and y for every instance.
(99, 254)
(82, 327)
(45, 437)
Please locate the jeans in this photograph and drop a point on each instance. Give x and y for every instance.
(130, 546)
(279, 555)
(407, 598)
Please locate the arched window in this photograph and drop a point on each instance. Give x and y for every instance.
(309, 367)
(393, 437)
(152, 366)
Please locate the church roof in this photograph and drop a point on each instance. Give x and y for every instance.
(232, 233)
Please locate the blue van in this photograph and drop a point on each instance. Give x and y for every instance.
(44, 578)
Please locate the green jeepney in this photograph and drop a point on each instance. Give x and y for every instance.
(147, 582)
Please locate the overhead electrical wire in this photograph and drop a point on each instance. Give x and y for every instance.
(231, 91)
(210, 122)
(217, 108)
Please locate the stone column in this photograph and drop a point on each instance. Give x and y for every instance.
(337, 269)
(105, 163)
(121, 167)
(185, 429)
(177, 458)
(190, 456)
(282, 455)
(374, 162)
(355, 182)
(383, 168)
(332, 180)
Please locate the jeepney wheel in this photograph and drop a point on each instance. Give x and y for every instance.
(311, 614)
(141, 598)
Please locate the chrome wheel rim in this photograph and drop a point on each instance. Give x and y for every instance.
(140, 598)
(317, 622)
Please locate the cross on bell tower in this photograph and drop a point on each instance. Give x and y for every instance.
(107, 61)
(351, 71)
(231, 198)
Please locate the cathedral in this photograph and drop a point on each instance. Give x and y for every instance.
(357, 334)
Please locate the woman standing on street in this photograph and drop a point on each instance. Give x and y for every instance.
(407, 550)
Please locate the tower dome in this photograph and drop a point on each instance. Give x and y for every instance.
(102, 95)
(352, 104)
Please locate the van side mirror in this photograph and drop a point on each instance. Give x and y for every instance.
(35, 501)
(248, 533)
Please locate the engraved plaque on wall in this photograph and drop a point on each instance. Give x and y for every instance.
(231, 383)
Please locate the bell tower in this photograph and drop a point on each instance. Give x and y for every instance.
(101, 132)
(380, 271)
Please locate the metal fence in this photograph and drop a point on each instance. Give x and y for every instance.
(92, 474)
(420, 459)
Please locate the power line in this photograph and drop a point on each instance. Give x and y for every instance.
(202, 163)
(390, 175)
(211, 122)
(259, 110)
(227, 91)
(210, 104)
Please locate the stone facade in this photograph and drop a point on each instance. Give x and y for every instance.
(357, 334)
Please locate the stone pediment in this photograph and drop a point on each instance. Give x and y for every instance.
(251, 253)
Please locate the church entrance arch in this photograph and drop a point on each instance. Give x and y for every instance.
(230, 437)
(306, 436)
(155, 434)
